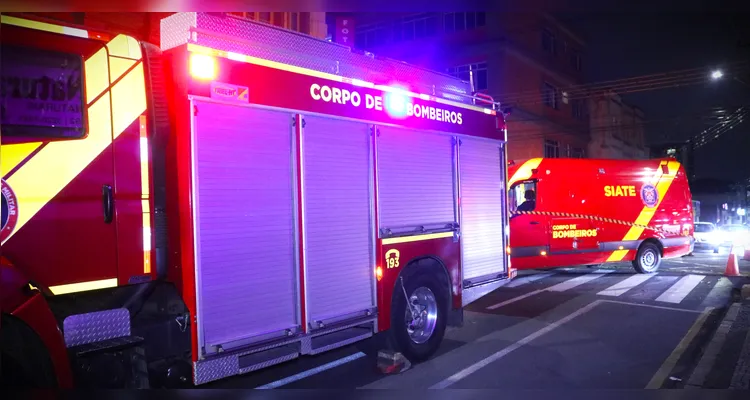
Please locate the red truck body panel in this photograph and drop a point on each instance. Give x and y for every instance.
(592, 211)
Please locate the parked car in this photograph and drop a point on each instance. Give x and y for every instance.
(707, 236)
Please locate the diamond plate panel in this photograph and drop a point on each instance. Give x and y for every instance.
(259, 40)
(96, 326)
(222, 367)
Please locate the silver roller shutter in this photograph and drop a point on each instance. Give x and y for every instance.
(482, 232)
(339, 253)
(244, 222)
(415, 178)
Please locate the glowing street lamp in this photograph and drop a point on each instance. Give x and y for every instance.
(717, 74)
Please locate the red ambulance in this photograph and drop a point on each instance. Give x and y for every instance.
(569, 212)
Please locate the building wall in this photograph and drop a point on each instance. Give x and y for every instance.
(510, 60)
(617, 129)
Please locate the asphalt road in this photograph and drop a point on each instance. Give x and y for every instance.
(594, 328)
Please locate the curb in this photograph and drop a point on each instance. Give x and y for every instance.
(745, 292)
(708, 359)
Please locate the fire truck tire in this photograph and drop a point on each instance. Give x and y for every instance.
(648, 258)
(432, 299)
(26, 364)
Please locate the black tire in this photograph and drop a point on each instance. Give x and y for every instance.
(648, 259)
(403, 342)
(26, 363)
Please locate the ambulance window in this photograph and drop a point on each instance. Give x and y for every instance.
(517, 196)
(42, 93)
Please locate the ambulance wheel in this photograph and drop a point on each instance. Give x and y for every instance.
(418, 335)
(648, 259)
(26, 364)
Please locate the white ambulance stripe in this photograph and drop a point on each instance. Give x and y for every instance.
(623, 286)
(677, 292)
(528, 279)
(580, 280)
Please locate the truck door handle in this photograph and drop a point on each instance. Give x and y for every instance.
(108, 203)
(534, 222)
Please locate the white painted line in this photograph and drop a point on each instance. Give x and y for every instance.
(580, 280)
(653, 306)
(311, 372)
(677, 292)
(623, 286)
(504, 352)
(668, 365)
(528, 279)
(513, 300)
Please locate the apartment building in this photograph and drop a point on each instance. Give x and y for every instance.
(617, 128)
(528, 61)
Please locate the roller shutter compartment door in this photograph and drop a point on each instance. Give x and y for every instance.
(482, 207)
(415, 178)
(337, 218)
(244, 221)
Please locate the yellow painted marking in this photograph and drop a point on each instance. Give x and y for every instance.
(662, 182)
(43, 26)
(323, 75)
(128, 99)
(417, 238)
(12, 154)
(392, 258)
(118, 66)
(97, 79)
(524, 171)
(83, 286)
(124, 46)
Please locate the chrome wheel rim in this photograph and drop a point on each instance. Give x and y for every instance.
(421, 315)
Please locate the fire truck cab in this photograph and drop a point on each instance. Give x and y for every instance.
(239, 197)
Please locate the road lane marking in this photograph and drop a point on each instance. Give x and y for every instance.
(712, 350)
(720, 295)
(311, 372)
(528, 279)
(623, 286)
(515, 299)
(653, 306)
(677, 292)
(668, 365)
(504, 352)
(580, 280)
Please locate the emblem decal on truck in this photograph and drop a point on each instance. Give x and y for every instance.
(391, 258)
(649, 195)
(8, 211)
(228, 92)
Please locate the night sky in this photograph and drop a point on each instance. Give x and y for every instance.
(630, 40)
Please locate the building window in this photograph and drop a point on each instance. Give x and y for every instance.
(550, 95)
(577, 152)
(479, 70)
(548, 41)
(461, 21)
(551, 149)
(575, 60)
(577, 109)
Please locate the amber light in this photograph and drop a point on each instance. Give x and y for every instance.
(202, 66)
(379, 273)
(507, 249)
(544, 253)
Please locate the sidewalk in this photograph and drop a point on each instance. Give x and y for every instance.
(725, 362)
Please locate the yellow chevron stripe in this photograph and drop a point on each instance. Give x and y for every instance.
(12, 154)
(524, 171)
(662, 184)
(42, 177)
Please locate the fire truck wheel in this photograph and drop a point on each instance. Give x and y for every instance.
(26, 364)
(419, 329)
(648, 259)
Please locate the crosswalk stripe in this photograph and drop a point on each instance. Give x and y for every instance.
(623, 286)
(528, 279)
(580, 280)
(677, 292)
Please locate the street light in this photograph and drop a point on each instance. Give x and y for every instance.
(717, 74)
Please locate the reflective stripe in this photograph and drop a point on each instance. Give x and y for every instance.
(13, 154)
(323, 75)
(83, 286)
(417, 238)
(145, 195)
(524, 171)
(43, 26)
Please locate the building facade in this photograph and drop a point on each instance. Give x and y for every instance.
(526, 61)
(617, 129)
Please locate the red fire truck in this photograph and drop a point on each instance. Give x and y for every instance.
(237, 198)
(568, 212)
